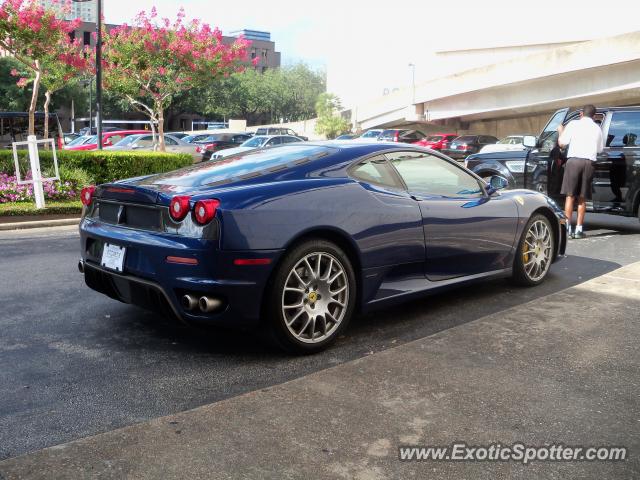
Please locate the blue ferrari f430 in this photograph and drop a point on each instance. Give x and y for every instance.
(301, 237)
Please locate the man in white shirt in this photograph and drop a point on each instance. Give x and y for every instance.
(584, 138)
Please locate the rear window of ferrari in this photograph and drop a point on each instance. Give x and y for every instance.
(242, 166)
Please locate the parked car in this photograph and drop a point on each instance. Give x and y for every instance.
(370, 135)
(436, 141)
(219, 141)
(616, 182)
(257, 141)
(146, 142)
(465, 145)
(278, 131)
(108, 139)
(511, 142)
(301, 237)
(400, 135)
(346, 136)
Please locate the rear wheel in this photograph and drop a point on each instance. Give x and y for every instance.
(312, 297)
(535, 252)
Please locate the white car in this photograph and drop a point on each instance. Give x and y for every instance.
(258, 141)
(512, 142)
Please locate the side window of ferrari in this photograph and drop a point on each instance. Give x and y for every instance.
(376, 170)
(431, 175)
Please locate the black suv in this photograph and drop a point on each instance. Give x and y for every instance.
(616, 182)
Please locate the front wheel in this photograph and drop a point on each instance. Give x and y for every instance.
(535, 252)
(312, 297)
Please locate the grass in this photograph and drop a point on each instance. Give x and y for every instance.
(14, 209)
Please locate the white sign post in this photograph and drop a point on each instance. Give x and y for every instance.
(34, 161)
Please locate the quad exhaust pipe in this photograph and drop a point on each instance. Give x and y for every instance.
(189, 302)
(208, 304)
(204, 304)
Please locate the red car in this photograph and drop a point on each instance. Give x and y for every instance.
(108, 139)
(437, 141)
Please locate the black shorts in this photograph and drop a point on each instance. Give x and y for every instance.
(578, 175)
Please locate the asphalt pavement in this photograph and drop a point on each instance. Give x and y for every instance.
(76, 363)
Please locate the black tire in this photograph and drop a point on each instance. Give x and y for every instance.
(520, 275)
(277, 323)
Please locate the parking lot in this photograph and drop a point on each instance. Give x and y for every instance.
(76, 363)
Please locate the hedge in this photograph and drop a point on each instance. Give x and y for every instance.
(102, 166)
(15, 209)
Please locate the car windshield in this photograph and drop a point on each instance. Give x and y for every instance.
(433, 138)
(466, 139)
(241, 166)
(255, 142)
(371, 134)
(194, 138)
(127, 140)
(391, 134)
(78, 141)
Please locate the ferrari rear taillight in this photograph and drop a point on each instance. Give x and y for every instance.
(205, 210)
(86, 195)
(179, 207)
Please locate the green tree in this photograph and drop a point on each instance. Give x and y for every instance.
(12, 97)
(330, 123)
(288, 94)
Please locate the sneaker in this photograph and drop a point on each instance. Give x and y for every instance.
(577, 235)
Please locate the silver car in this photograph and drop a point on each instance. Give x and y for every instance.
(146, 143)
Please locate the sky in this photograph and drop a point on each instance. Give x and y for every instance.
(366, 46)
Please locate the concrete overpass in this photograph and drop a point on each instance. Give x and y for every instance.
(516, 95)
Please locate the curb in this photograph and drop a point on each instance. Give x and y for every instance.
(39, 224)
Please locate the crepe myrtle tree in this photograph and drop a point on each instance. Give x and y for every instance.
(34, 36)
(153, 60)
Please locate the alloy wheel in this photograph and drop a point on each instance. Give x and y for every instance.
(315, 297)
(537, 250)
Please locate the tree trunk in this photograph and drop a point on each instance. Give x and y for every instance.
(34, 100)
(161, 144)
(47, 101)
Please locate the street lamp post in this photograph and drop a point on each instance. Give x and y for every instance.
(98, 69)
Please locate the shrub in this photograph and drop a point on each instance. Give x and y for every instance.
(77, 176)
(51, 207)
(100, 166)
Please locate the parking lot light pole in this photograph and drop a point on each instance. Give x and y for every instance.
(413, 83)
(98, 69)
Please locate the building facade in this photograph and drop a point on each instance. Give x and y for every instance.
(513, 89)
(87, 11)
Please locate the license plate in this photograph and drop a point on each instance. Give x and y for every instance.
(113, 257)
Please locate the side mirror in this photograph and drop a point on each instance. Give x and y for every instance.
(530, 141)
(496, 182)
